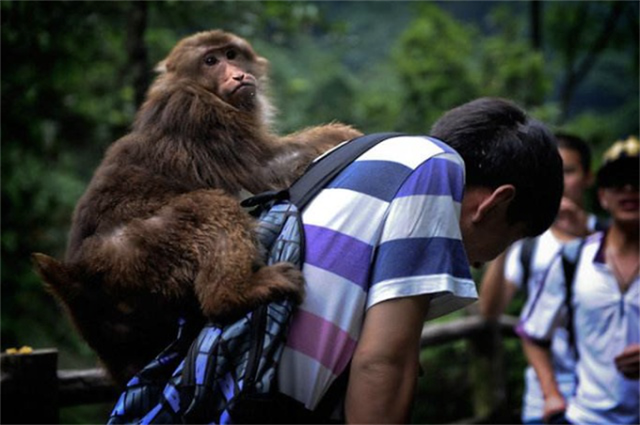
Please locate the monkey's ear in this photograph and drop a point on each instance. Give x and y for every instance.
(161, 67)
(262, 66)
(56, 277)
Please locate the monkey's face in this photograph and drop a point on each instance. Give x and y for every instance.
(230, 73)
(221, 63)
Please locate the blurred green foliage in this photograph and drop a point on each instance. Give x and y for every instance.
(68, 91)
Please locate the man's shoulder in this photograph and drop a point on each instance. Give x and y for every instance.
(410, 151)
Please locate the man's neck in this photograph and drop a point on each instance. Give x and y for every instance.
(623, 239)
(562, 235)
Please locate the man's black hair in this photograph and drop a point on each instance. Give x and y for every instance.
(620, 164)
(501, 145)
(619, 173)
(575, 143)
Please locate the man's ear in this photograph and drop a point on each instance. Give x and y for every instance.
(603, 200)
(499, 198)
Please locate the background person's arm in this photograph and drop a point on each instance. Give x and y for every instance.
(628, 362)
(496, 292)
(540, 359)
(385, 365)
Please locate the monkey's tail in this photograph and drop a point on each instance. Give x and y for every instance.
(57, 277)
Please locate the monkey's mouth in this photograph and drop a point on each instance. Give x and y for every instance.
(242, 87)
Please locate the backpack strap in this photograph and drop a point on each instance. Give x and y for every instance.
(318, 174)
(570, 256)
(601, 224)
(323, 170)
(526, 256)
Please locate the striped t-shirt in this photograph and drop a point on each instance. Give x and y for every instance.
(386, 227)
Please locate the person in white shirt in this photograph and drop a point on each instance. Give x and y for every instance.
(600, 306)
(519, 269)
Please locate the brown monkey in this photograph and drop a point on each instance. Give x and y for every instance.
(159, 233)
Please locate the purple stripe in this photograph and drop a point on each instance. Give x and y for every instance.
(321, 340)
(338, 253)
(437, 176)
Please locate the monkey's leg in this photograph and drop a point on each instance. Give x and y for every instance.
(232, 277)
(203, 238)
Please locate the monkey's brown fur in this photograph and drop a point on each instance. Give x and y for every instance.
(159, 232)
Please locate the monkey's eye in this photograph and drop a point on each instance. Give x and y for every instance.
(210, 60)
(231, 54)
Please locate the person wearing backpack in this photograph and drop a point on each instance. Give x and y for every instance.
(389, 245)
(518, 271)
(598, 303)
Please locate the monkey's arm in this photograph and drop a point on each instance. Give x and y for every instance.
(323, 137)
(296, 151)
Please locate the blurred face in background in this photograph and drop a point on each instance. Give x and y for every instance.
(576, 179)
(622, 201)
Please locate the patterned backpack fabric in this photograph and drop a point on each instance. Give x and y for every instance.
(212, 378)
(228, 373)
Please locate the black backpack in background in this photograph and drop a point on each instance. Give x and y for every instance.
(570, 255)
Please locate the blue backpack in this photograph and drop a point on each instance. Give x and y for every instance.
(228, 374)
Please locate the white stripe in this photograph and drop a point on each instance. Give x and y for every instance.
(304, 378)
(422, 216)
(337, 296)
(452, 293)
(409, 151)
(349, 212)
(453, 157)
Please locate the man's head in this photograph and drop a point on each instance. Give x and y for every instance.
(618, 182)
(514, 178)
(576, 166)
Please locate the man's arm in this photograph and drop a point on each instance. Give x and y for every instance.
(540, 359)
(495, 291)
(385, 365)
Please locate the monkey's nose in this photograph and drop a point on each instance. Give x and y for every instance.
(238, 77)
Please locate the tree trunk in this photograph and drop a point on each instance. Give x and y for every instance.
(137, 50)
(536, 24)
(576, 72)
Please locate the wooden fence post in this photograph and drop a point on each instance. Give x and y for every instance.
(30, 387)
(487, 373)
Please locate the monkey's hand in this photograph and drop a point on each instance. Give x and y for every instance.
(282, 279)
(266, 284)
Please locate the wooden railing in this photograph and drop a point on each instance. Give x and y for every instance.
(487, 366)
(33, 389)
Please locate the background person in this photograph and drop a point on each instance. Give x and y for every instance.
(602, 308)
(520, 268)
